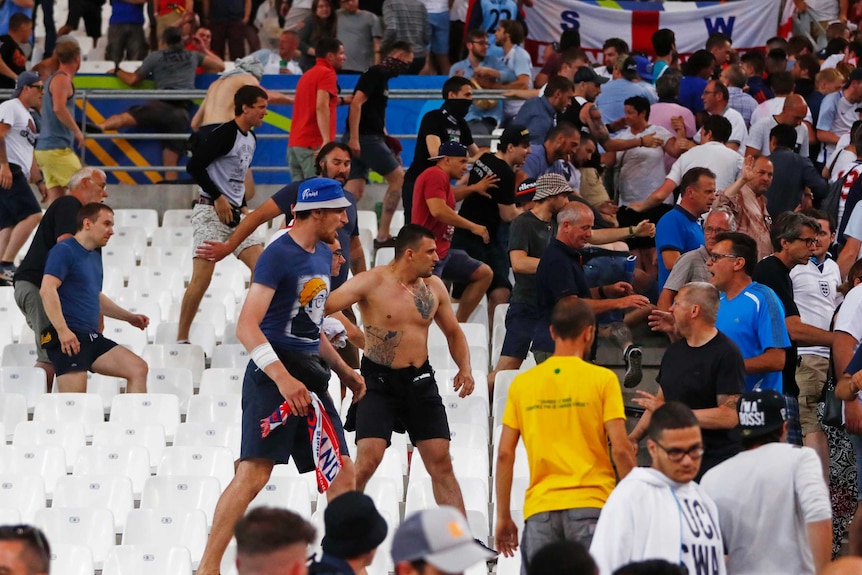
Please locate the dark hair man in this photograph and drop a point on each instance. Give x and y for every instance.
(270, 540)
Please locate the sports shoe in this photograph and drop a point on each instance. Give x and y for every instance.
(7, 273)
(496, 553)
(387, 243)
(633, 356)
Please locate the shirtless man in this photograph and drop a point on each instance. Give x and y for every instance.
(398, 303)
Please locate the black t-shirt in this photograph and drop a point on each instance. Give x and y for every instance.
(772, 273)
(572, 114)
(375, 85)
(12, 55)
(60, 218)
(482, 210)
(696, 375)
(445, 126)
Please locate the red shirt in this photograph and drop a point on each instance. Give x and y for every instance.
(433, 183)
(304, 132)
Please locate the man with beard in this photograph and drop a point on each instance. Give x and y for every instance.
(491, 211)
(438, 126)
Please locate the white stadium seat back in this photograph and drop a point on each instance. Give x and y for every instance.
(68, 435)
(222, 380)
(182, 492)
(168, 527)
(84, 408)
(111, 492)
(150, 436)
(225, 408)
(132, 461)
(27, 380)
(71, 559)
(177, 355)
(285, 492)
(23, 493)
(147, 560)
(161, 408)
(200, 461)
(87, 526)
(192, 433)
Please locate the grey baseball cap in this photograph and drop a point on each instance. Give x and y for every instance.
(440, 537)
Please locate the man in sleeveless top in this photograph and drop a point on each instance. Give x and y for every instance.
(54, 152)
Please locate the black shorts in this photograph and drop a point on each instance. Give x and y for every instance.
(18, 202)
(164, 117)
(489, 253)
(260, 398)
(91, 12)
(399, 400)
(93, 346)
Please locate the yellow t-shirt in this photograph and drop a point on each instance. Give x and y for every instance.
(560, 408)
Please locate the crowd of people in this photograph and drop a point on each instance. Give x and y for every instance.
(715, 201)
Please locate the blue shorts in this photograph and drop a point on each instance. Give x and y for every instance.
(374, 154)
(457, 266)
(18, 202)
(439, 32)
(521, 320)
(606, 270)
(93, 346)
(261, 397)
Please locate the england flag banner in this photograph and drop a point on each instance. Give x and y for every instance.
(750, 23)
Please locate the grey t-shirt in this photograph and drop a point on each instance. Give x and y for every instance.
(690, 267)
(171, 69)
(357, 32)
(530, 234)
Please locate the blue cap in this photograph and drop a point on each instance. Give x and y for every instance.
(317, 193)
(451, 149)
(644, 68)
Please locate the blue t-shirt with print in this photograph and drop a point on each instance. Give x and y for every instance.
(301, 283)
(80, 270)
(754, 320)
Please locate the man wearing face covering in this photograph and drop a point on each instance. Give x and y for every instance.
(438, 126)
(366, 134)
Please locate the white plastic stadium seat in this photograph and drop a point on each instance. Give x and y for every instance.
(133, 237)
(285, 492)
(19, 355)
(71, 559)
(161, 408)
(46, 461)
(142, 218)
(174, 237)
(83, 408)
(182, 492)
(147, 560)
(200, 461)
(222, 380)
(111, 492)
(132, 461)
(87, 526)
(219, 434)
(13, 410)
(29, 381)
(233, 355)
(176, 355)
(224, 409)
(68, 435)
(177, 218)
(202, 334)
(172, 380)
(166, 528)
(23, 493)
(150, 436)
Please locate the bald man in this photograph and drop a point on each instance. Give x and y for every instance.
(746, 200)
(792, 114)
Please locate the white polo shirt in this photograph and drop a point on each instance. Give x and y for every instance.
(724, 162)
(815, 292)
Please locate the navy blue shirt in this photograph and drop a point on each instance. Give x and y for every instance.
(678, 230)
(560, 274)
(538, 116)
(80, 270)
(691, 92)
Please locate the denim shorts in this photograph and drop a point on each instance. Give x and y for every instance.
(375, 155)
(439, 32)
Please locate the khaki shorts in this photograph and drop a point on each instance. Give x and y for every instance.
(811, 373)
(58, 166)
(207, 227)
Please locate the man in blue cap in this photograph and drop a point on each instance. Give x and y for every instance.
(280, 327)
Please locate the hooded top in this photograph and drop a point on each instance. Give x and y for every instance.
(649, 516)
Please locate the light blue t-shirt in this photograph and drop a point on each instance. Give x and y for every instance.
(517, 60)
(301, 281)
(80, 270)
(465, 68)
(754, 320)
(611, 101)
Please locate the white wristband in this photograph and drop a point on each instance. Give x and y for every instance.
(263, 355)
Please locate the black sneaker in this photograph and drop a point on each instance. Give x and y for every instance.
(496, 553)
(7, 273)
(633, 356)
(388, 243)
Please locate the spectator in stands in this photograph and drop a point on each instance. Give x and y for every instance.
(321, 23)
(564, 558)
(815, 292)
(696, 72)
(443, 125)
(716, 102)
(613, 49)
(838, 112)
(366, 133)
(487, 15)
(494, 210)
(126, 39)
(201, 41)
(88, 10)
(570, 42)
(782, 86)
(587, 86)
(776, 62)
(826, 82)
(592, 187)
(398, 304)
(436, 541)
(284, 60)
(804, 71)
(172, 68)
(670, 115)
(664, 46)
(560, 273)
(314, 112)
(625, 84)
(219, 167)
(486, 72)
(691, 266)
(13, 60)
(733, 77)
(704, 370)
(771, 488)
(793, 112)
(434, 208)
(25, 550)
(753, 64)
(361, 31)
(529, 235)
(796, 183)
(438, 18)
(569, 483)
(554, 156)
(407, 21)
(59, 130)
(167, 13)
(678, 231)
(661, 512)
(353, 530)
(47, 23)
(284, 312)
(227, 20)
(509, 36)
(268, 539)
(19, 211)
(710, 153)
(74, 304)
(539, 114)
(9, 9)
(58, 223)
(746, 199)
(719, 45)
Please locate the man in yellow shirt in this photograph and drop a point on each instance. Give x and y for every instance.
(566, 410)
